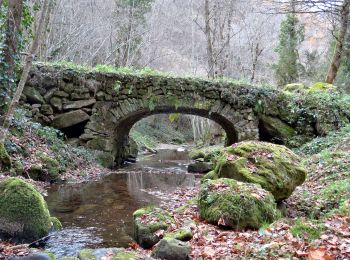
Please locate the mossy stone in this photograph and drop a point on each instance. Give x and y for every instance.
(52, 166)
(146, 222)
(295, 88)
(18, 167)
(5, 159)
(36, 173)
(56, 224)
(205, 154)
(182, 234)
(23, 211)
(236, 205)
(69, 258)
(171, 249)
(322, 87)
(276, 129)
(275, 167)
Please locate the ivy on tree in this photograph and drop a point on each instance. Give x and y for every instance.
(291, 35)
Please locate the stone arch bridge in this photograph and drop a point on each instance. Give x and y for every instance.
(100, 108)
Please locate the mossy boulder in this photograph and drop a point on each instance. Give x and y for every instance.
(182, 234)
(295, 88)
(5, 159)
(322, 87)
(18, 168)
(52, 167)
(55, 224)
(275, 130)
(109, 253)
(171, 249)
(147, 221)
(236, 205)
(24, 216)
(275, 167)
(205, 154)
(36, 172)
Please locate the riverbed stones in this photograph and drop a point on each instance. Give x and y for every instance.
(24, 216)
(275, 167)
(149, 224)
(69, 119)
(237, 205)
(171, 249)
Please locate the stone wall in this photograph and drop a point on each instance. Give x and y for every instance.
(99, 109)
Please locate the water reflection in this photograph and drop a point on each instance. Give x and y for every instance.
(99, 214)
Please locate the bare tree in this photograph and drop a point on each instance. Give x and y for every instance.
(13, 30)
(338, 10)
(339, 48)
(26, 68)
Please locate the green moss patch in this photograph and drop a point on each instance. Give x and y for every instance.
(5, 160)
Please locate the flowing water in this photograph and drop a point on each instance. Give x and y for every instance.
(99, 213)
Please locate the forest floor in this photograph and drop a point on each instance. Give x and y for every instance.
(316, 222)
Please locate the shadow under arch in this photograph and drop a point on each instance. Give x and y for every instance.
(124, 125)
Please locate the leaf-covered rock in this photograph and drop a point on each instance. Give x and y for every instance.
(147, 222)
(236, 205)
(275, 167)
(171, 249)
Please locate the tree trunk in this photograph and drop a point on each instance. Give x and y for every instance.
(339, 48)
(209, 40)
(14, 18)
(26, 68)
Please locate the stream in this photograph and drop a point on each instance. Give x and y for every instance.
(98, 214)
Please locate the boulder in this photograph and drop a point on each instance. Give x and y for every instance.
(52, 167)
(205, 153)
(109, 253)
(171, 249)
(5, 159)
(200, 167)
(33, 96)
(147, 221)
(182, 234)
(275, 129)
(79, 104)
(24, 216)
(237, 205)
(69, 119)
(275, 167)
